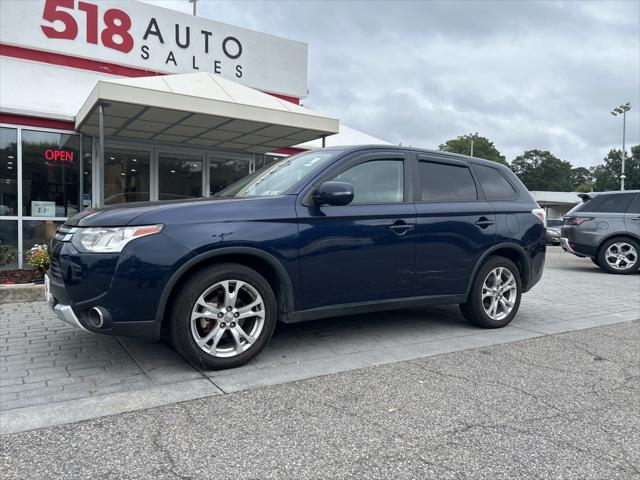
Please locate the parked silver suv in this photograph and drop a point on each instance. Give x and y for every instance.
(606, 228)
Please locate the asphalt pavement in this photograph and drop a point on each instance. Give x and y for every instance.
(562, 406)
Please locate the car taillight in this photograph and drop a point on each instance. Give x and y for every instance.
(541, 214)
(576, 220)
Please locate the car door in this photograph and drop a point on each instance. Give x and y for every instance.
(455, 225)
(363, 251)
(632, 217)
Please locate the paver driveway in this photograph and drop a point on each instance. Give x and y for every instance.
(79, 375)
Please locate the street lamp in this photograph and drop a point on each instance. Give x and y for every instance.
(622, 110)
(194, 6)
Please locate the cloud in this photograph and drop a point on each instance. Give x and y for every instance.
(526, 74)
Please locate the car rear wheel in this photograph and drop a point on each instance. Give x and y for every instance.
(495, 294)
(223, 316)
(619, 255)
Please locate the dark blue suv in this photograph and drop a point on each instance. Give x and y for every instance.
(324, 233)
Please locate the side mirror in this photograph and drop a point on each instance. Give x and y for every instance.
(333, 193)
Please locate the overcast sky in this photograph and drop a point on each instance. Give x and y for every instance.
(525, 74)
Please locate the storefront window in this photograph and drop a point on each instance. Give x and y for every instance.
(126, 176)
(9, 242)
(37, 232)
(179, 177)
(223, 173)
(86, 173)
(8, 172)
(50, 174)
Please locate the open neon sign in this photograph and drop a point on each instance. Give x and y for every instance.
(58, 155)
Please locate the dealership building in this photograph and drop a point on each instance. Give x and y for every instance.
(118, 101)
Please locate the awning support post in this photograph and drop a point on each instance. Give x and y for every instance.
(100, 198)
(324, 141)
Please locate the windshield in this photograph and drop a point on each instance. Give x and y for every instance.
(278, 178)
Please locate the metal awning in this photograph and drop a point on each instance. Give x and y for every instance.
(199, 109)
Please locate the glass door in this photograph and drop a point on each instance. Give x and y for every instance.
(179, 176)
(126, 175)
(224, 171)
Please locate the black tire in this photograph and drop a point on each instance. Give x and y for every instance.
(474, 310)
(595, 260)
(182, 307)
(607, 267)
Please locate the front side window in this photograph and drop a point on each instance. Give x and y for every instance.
(376, 181)
(494, 185)
(635, 205)
(443, 182)
(50, 174)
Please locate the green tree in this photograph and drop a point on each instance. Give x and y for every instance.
(482, 147)
(607, 175)
(540, 170)
(580, 176)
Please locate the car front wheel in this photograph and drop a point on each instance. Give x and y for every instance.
(223, 316)
(495, 295)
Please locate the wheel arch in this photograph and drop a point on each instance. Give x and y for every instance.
(513, 252)
(623, 234)
(263, 262)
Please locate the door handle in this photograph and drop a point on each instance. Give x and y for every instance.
(401, 228)
(636, 218)
(484, 222)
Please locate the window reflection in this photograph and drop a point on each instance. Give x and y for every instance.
(126, 176)
(8, 171)
(223, 173)
(50, 174)
(179, 177)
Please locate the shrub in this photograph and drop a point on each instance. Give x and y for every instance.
(38, 258)
(7, 254)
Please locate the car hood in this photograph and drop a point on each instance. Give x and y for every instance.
(125, 214)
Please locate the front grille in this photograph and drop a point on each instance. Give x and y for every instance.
(54, 267)
(64, 233)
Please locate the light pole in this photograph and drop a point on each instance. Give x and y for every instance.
(194, 6)
(622, 110)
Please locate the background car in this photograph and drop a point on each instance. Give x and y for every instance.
(606, 228)
(554, 226)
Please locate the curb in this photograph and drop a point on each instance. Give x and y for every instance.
(26, 292)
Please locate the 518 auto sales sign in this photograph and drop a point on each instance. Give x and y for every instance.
(140, 35)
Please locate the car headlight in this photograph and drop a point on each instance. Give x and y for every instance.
(110, 239)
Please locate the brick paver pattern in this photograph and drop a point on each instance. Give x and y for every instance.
(43, 360)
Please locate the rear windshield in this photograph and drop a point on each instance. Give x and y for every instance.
(554, 222)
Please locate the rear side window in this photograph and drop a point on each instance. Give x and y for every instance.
(495, 186)
(617, 203)
(443, 182)
(635, 205)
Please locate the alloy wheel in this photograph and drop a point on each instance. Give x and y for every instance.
(621, 256)
(499, 293)
(227, 318)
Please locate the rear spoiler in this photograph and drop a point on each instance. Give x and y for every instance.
(587, 196)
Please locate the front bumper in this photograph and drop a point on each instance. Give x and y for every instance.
(63, 312)
(127, 287)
